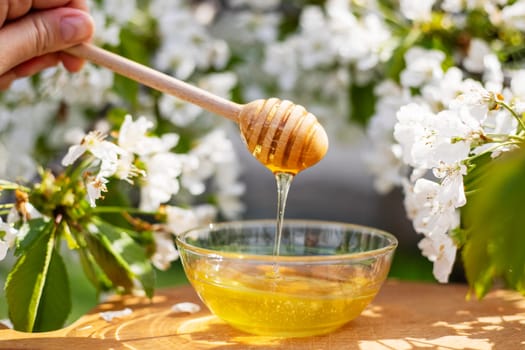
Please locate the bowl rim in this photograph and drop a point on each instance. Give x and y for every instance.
(300, 259)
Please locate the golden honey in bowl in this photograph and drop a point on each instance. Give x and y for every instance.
(326, 274)
(289, 305)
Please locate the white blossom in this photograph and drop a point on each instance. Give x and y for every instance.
(215, 155)
(108, 316)
(182, 113)
(194, 174)
(190, 47)
(109, 18)
(126, 169)
(441, 250)
(439, 93)
(364, 41)
(21, 91)
(132, 134)
(383, 156)
(385, 163)
(8, 235)
(220, 84)
(281, 60)
(248, 27)
(453, 6)
(134, 138)
(257, 4)
(430, 139)
(105, 151)
(89, 87)
(431, 207)
(477, 51)
(165, 251)
(422, 66)
(21, 132)
(161, 181)
(106, 31)
(493, 75)
(185, 307)
(314, 46)
(417, 10)
(120, 11)
(452, 188)
(229, 190)
(473, 94)
(516, 85)
(177, 111)
(514, 15)
(180, 220)
(95, 185)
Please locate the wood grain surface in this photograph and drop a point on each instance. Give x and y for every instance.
(405, 315)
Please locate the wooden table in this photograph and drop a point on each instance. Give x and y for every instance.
(405, 315)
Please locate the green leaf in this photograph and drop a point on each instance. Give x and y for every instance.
(136, 260)
(117, 196)
(120, 257)
(363, 102)
(396, 63)
(93, 272)
(496, 233)
(126, 88)
(37, 288)
(479, 269)
(30, 232)
(109, 261)
(55, 303)
(116, 115)
(477, 172)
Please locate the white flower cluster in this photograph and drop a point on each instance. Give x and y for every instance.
(426, 141)
(332, 48)
(163, 175)
(186, 44)
(428, 129)
(55, 111)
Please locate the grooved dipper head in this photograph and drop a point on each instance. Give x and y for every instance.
(283, 136)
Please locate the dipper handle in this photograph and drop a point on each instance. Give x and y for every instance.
(157, 80)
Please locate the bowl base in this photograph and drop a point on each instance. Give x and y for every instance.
(286, 333)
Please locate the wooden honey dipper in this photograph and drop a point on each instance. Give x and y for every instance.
(283, 136)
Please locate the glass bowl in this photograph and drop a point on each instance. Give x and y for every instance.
(325, 275)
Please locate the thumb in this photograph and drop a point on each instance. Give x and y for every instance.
(42, 32)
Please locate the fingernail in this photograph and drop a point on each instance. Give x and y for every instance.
(75, 28)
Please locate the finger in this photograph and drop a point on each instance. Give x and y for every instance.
(70, 62)
(36, 65)
(43, 32)
(4, 8)
(79, 4)
(11, 9)
(6, 80)
(49, 4)
(17, 8)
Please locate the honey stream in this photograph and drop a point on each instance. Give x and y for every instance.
(284, 181)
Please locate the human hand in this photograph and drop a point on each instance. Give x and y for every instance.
(33, 33)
